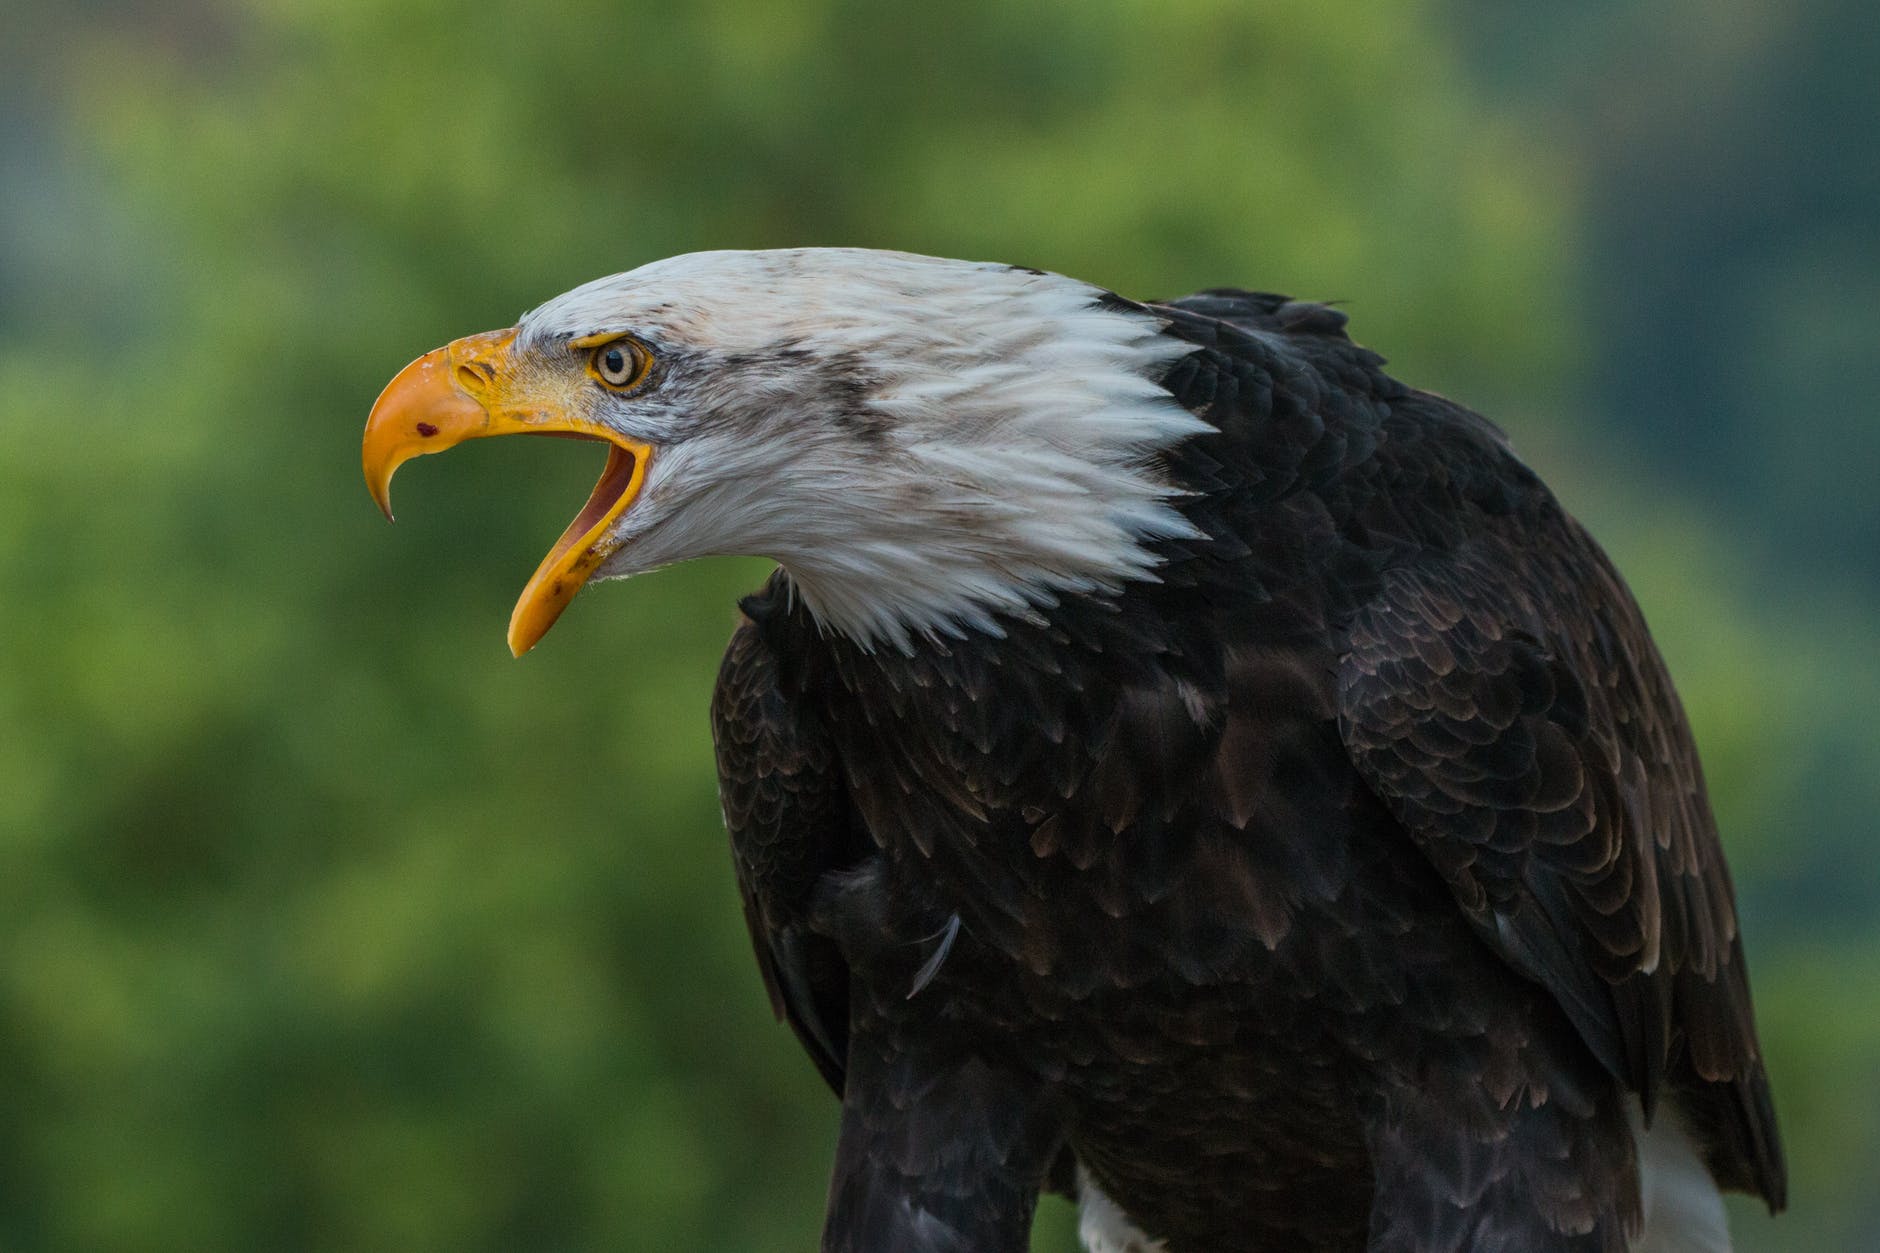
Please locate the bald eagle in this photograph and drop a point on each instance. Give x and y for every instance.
(1173, 763)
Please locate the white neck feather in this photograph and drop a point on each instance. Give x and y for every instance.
(924, 445)
(1024, 474)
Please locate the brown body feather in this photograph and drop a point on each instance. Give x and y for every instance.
(1337, 891)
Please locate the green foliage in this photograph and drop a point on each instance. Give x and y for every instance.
(323, 924)
(1731, 245)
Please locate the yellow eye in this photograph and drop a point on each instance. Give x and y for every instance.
(619, 363)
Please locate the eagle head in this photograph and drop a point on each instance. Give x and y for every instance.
(926, 446)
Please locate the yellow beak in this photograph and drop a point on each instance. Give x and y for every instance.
(467, 390)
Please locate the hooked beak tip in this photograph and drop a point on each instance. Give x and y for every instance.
(424, 409)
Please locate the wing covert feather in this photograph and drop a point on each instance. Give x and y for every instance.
(1506, 702)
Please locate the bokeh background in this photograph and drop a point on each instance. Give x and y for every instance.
(325, 925)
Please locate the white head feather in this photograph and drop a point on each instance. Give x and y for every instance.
(923, 444)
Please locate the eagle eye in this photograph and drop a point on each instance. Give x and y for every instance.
(619, 363)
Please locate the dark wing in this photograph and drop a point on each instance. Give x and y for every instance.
(789, 818)
(1504, 699)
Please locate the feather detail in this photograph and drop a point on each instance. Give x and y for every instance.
(931, 967)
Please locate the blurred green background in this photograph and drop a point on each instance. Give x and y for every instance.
(325, 925)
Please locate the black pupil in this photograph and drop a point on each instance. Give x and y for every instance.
(615, 362)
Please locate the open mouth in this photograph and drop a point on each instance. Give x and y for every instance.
(460, 392)
(603, 503)
(584, 544)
